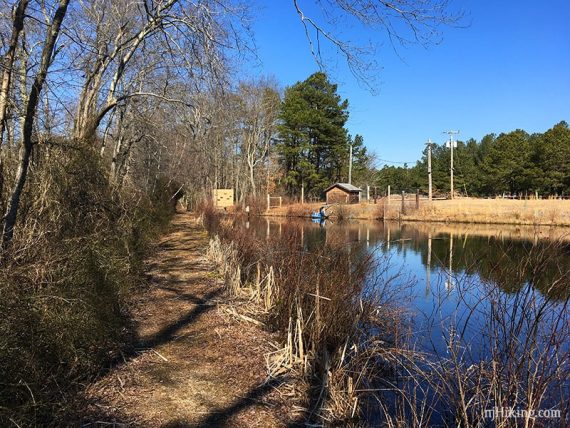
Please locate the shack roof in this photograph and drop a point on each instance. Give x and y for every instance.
(344, 186)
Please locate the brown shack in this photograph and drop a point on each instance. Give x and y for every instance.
(343, 193)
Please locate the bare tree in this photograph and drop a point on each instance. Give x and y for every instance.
(259, 108)
(7, 69)
(129, 42)
(26, 144)
(8, 61)
(402, 21)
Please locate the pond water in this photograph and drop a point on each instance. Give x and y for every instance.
(448, 273)
(482, 286)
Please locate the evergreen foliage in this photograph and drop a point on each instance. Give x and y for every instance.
(314, 143)
(514, 163)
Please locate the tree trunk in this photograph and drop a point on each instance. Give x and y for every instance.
(7, 64)
(252, 181)
(30, 114)
(14, 202)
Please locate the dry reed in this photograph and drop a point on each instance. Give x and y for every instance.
(354, 349)
(315, 301)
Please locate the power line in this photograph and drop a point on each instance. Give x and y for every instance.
(395, 162)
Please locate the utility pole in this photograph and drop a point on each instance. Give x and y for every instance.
(429, 144)
(451, 144)
(350, 166)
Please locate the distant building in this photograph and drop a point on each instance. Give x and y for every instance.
(343, 193)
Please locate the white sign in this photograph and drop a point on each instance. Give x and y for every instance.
(454, 144)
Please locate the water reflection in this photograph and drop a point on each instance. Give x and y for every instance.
(485, 292)
(502, 255)
(449, 280)
(451, 270)
(428, 265)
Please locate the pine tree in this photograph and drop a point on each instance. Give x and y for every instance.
(313, 140)
(508, 163)
(553, 157)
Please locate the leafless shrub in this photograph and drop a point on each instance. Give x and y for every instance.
(77, 252)
(341, 213)
(297, 210)
(209, 215)
(257, 205)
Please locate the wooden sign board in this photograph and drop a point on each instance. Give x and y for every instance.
(224, 197)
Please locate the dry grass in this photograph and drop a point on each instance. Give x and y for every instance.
(495, 211)
(462, 210)
(315, 302)
(77, 254)
(362, 211)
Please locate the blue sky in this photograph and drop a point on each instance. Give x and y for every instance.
(508, 69)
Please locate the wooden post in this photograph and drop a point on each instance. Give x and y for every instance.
(429, 144)
(451, 168)
(302, 194)
(368, 194)
(428, 267)
(417, 199)
(403, 210)
(280, 201)
(268, 202)
(388, 194)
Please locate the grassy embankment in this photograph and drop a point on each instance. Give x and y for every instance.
(76, 256)
(461, 210)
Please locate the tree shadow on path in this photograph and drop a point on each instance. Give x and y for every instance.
(167, 333)
(219, 417)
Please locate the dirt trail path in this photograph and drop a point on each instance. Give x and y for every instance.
(193, 366)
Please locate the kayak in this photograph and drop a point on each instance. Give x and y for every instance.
(319, 216)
